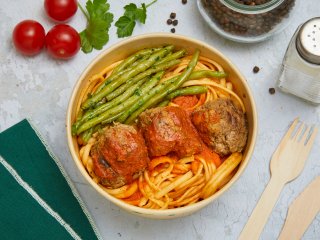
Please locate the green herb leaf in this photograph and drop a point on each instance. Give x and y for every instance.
(135, 13)
(96, 35)
(130, 10)
(125, 26)
(127, 22)
(141, 14)
(85, 44)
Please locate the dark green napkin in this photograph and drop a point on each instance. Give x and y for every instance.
(37, 198)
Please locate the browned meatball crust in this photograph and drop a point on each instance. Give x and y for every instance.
(221, 125)
(169, 130)
(119, 155)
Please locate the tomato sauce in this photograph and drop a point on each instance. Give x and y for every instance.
(207, 153)
(134, 199)
(186, 102)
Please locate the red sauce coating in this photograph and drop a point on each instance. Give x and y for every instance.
(210, 155)
(186, 101)
(119, 155)
(167, 130)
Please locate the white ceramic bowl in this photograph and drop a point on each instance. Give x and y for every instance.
(129, 46)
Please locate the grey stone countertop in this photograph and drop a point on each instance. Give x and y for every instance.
(40, 87)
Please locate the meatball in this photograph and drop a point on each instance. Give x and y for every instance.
(119, 155)
(169, 130)
(221, 125)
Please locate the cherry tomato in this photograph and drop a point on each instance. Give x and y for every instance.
(28, 37)
(60, 10)
(62, 41)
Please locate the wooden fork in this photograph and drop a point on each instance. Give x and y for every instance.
(286, 164)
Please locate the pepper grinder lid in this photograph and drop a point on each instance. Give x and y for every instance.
(308, 41)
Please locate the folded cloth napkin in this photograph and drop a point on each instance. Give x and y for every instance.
(37, 198)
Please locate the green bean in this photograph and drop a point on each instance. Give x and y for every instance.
(115, 76)
(143, 66)
(134, 57)
(152, 70)
(74, 129)
(75, 126)
(122, 71)
(187, 72)
(120, 108)
(207, 73)
(86, 135)
(104, 107)
(111, 119)
(158, 97)
(102, 101)
(123, 87)
(193, 90)
(176, 55)
(194, 75)
(163, 103)
(140, 63)
(146, 97)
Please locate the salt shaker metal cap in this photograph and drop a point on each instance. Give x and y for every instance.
(308, 41)
(300, 72)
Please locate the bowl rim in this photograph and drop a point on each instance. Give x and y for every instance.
(181, 211)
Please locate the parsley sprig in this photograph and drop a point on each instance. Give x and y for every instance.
(99, 21)
(127, 22)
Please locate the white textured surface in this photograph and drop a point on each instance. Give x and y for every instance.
(39, 88)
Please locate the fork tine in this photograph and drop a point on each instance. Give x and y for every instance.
(312, 137)
(306, 134)
(297, 135)
(306, 147)
(290, 131)
(286, 136)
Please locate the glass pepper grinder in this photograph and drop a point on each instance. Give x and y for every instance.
(300, 72)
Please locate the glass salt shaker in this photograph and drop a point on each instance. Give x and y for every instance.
(300, 73)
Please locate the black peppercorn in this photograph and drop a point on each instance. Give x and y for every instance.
(173, 15)
(169, 21)
(175, 23)
(256, 69)
(173, 30)
(272, 90)
(184, 1)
